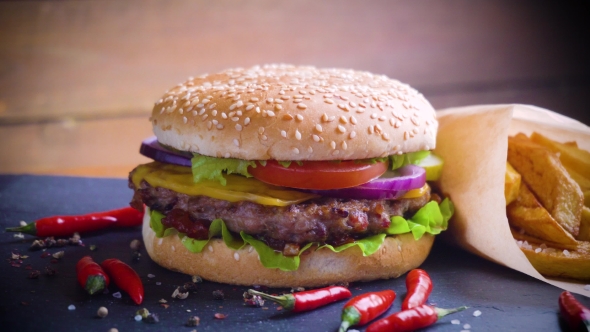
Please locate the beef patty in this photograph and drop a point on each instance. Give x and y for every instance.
(324, 220)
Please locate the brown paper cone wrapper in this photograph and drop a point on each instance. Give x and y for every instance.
(473, 141)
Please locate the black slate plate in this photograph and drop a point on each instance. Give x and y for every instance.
(508, 300)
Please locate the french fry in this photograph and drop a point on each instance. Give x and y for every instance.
(542, 171)
(580, 180)
(552, 261)
(511, 183)
(529, 215)
(571, 156)
(585, 225)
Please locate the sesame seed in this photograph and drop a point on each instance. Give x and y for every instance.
(296, 101)
(285, 97)
(298, 96)
(209, 125)
(201, 111)
(238, 127)
(343, 119)
(333, 145)
(204, 117)
(301, 106)
(235, 119)
(278, 107)
(284, 133)
(382, 118)
(343, 97)
(374, 115)
(264, 137)
(316, 138)
(352, 134)
(254, 99)
(325, 117)
(219, 126)
(246, 121)
(257, 109)
(328, 101)
(341, 129)
(223, 115)
(344, 145)
(297, 135)
(352, 104)
(299, 117)
(261, 130)
(180, 111)
(287, 117)
(414, 121)
(270, 113)
(385, 136)
(406, 136)
(239, 103)
(378, 129)
(212, 106)
(342, 106)
(310, 149)
(295, 150)
(353, 120)
(236, 142)
(195, 113)
(215, 122)
(319, 128)
(250, 107)
(397, 125)
(184, 119)
(214, 112)
(370, 130)
(282, 92)
(205, 101)
(278, 101)
(415, 131)
(269, 100)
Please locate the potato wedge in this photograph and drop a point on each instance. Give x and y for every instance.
(585, 225)
(529, 215)
(512, 182)
(556, 262)
(542, 171)
(571, 157)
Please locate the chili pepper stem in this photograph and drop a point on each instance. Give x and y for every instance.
(94, 284)
(28, 229)
(440, 312)
(286, 301)
(350, 316)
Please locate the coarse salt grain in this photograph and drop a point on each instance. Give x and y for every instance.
(587, 287)
(71, 307)
(117, 295)
(151, 276)
(455, 322)
(466, 326)
(158, 283)
(476, 313)
(137, 318)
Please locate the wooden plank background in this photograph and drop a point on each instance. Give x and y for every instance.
(78, 78)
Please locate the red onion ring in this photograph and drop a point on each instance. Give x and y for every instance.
(152, 149)
(391, 185)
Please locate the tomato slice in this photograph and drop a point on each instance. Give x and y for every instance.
(318, 174)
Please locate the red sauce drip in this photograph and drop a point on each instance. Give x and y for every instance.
(180, 219)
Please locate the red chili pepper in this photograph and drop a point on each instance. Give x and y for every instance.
(573, 312)
(364, 308)
(91, 276)
(411, 319)
(125, 277)
(419, 286)
(308, 300)
(68, 225)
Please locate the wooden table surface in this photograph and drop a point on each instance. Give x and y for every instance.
(78, 78)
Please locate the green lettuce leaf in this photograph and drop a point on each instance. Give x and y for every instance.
(210, 168)
(368, 245)
(412, 158)
(431, 218)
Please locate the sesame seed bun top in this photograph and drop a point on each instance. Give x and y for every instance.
(286, 112)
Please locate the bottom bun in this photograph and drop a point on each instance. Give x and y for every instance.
(219, 263)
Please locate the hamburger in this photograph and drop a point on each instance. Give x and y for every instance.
(289, 176)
